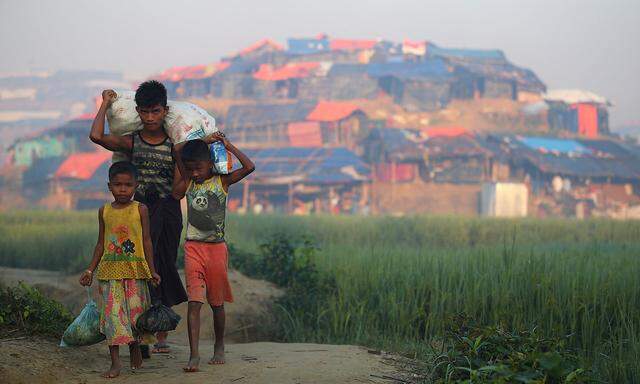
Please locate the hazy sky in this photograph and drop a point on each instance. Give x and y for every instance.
(570, 44)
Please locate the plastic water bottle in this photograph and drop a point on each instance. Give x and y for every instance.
(220, 157)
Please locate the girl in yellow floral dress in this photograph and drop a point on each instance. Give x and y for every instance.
(123, 258)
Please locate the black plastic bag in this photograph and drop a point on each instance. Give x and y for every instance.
(158, 318)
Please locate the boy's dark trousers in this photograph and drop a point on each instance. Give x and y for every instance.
(165, 219)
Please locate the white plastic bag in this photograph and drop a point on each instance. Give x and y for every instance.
(184, 121)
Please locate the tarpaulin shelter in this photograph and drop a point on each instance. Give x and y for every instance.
(351, 45)
(332, 111)
(314, 175)
(305, 134)
(545, 157)
(304, 46)
(582, 112)
(307, 165)
(288, 71)
(82, 166)
(342, 123)
(265, 124)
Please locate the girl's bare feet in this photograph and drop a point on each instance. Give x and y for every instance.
(218, 354)
(192, 365)
(114, 371)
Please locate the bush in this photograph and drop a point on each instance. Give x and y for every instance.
(291, 265)
(24, 308)
(491, 354)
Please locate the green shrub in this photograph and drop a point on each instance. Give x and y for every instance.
(291, 265)
(491, 354)
(24, 308)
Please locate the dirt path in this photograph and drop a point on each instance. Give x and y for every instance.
(246, 363)
(33, 360)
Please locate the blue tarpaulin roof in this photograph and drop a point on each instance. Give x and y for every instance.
(307, 165)
(554, 145)
(435, 68)
(307, 46)
(578, 158)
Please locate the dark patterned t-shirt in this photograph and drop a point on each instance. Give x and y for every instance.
(155, 166)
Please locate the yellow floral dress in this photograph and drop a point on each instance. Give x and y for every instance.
(122, 274)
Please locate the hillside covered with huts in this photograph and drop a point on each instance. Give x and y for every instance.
(343, 126)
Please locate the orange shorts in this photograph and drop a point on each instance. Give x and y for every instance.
(205, 267)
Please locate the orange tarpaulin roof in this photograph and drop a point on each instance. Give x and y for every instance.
(305, 134)
(82, 165)
(351, 45)
(287, 71)
(444, 131)
(192, 72)
(332, 111)
(260, 44)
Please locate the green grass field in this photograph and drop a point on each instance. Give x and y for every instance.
(399, 279)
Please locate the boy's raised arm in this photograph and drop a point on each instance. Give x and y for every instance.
(97, 135)
(247, 164)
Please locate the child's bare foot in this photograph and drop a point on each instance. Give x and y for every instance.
(192, 365)
(218, 354)
(113, 372)
(135, 355)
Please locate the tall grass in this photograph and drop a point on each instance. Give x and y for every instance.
(48, 240)
(399, 278)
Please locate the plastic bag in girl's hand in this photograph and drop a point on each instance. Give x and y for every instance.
(158, 318)
(85, 329)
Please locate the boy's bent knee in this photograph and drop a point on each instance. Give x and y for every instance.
(193, 305)
(217, 308)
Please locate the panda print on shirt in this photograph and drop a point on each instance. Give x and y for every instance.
(206, 211)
